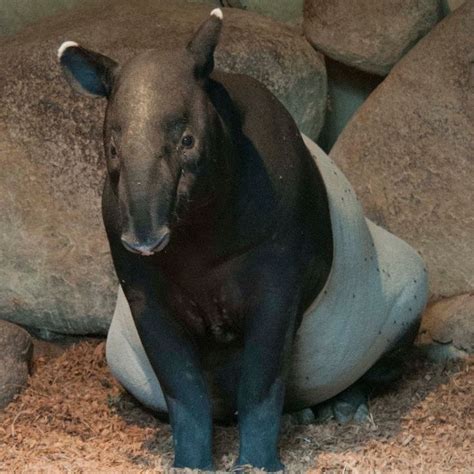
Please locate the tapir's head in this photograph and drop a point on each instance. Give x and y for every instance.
(159, 130)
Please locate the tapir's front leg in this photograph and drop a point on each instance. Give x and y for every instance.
(268, 339)
(176, 363)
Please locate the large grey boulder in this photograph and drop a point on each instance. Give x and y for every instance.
(16, 350)
(408, 151)
(55, 269)
(283, 10)
(348, 89)
(451, 5)
(371, 35)
(290, 11)
(14, 15)
(447, 328)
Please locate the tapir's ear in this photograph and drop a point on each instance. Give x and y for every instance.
(88, 72)
(204, 43)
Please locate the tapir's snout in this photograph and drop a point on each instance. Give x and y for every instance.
(147, 246)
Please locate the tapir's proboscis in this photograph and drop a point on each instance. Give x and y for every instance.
(220, 233)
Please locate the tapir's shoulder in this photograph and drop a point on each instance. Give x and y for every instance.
(260, 112)
(273, 156)
(265, 123)
(245, 90)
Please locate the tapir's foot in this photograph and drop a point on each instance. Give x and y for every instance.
(302, 417)
(248, 468)
(349, 405)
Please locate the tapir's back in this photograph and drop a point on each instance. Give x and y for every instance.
(267, 124)
(268, 135)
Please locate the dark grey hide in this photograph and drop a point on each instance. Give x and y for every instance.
(219, 229)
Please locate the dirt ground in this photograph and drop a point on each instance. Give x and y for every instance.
(73, 417)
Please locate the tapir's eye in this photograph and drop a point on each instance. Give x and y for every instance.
(187, 141)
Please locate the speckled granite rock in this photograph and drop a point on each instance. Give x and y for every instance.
(283, 10)
(447, 328)
(16, 14)
(408, 152)
(371, 35)
(453, 4)
(16, 349)
(348, 89)
(55, 270)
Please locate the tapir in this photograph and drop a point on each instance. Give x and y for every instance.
(231, 241)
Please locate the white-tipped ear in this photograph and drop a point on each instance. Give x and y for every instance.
(204, 42)
(86, 71)
(64, 46)
(217, 12)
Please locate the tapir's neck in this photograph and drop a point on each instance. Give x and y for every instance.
(205, 211)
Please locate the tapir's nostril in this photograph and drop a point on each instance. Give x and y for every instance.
(146, 247)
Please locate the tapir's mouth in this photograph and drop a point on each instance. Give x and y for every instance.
(148, 247)
(158, 248)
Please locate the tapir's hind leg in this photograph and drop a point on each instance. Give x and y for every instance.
(352, 403)
(349, 405)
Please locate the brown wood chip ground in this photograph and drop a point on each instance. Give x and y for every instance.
(74, 418)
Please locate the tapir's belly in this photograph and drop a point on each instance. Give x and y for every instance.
(212, 314)
(374, 295)
(366, 308)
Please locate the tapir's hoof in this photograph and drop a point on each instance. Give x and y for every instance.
(349, 405)
(345, 412)
(248, 468)
(323, 412)
(362, 414)
(342, 412)
(242, 469)
(303, 417)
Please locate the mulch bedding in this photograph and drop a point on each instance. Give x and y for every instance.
(73, 417)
